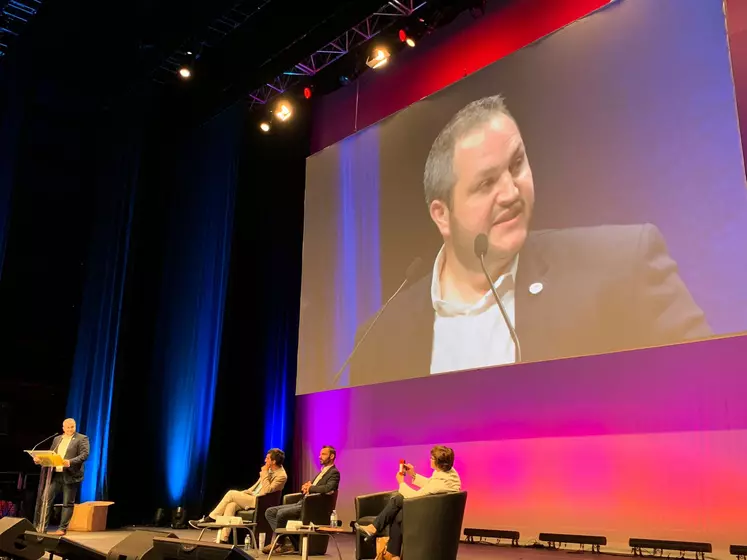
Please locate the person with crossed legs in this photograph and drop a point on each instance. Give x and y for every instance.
(444, 479)
(326, 482)
(272, 477)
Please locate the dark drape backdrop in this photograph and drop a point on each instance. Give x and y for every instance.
(11, 116)
(255, 398)
(90, 397)
(205, 374)
(155, 264)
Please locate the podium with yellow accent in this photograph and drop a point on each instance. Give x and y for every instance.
(48, 460)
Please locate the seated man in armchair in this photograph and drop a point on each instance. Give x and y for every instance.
(326, 482)
(272, 477)
(443, 480)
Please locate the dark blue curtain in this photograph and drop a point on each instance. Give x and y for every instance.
(11, 116)
(189, 324)
(94, 370)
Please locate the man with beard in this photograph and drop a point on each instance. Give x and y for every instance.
(568, 292)
(326, 482)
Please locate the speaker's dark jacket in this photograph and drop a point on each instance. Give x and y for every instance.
(77, 453)
(604, 289)
(329, 482)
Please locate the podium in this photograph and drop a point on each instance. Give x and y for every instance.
(48, 460)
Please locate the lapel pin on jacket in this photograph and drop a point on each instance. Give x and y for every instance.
(536, 288)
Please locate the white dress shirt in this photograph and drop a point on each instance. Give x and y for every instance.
(472, 336)
(320, 475)
(62, 448)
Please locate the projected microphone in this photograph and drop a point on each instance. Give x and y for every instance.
(481, 249)
(42, 441)
(412, 274)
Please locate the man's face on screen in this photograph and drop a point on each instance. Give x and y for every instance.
(493, 193)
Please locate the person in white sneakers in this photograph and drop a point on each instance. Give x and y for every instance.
(272, 477)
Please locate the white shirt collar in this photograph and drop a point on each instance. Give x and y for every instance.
(443, 307)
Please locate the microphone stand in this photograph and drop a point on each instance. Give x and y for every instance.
(506, 318)
(365, 334)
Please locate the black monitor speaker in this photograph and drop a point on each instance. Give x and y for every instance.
(62, 547)
(183, 549)
(138, 546)
(12, 543)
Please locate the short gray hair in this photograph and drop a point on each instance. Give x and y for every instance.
(438, 178)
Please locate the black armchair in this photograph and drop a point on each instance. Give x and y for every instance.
(367, 507)
(257, 514)
(316, 509)
(431, 525)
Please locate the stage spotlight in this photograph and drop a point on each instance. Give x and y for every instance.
(405, 38)
(264, 126)
(307, 92)
(179, 518)
(185, 72)
(283, 112)
(379, 58)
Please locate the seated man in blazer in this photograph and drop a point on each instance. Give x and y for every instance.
(444, 479)
(326, 482)
(272, 477)
(568, 292)
(74, 448)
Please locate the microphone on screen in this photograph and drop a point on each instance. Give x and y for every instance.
(481, 249)
(412, 274)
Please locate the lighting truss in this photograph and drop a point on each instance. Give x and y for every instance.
(384, 17)
(241, 12)
(14, 16)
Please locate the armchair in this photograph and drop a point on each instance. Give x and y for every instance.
(257, 514)
(316, 509)
(431, 525)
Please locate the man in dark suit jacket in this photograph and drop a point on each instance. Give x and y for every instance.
(74, 448)
(326, 482)
(568, 292)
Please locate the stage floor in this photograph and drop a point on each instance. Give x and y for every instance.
(105, 540)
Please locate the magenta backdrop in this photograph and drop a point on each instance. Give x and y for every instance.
(650, 443)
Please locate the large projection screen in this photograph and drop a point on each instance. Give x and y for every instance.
(610, 186)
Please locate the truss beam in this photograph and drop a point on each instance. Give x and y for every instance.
(389, 14)
(14, 16)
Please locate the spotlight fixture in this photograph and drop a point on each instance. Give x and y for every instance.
(379, 58)
(185, 73)
(264, 126)
(738, 550)
(698, 548)
(179, 518)
(554, 539)
(405, 38)
(284, 111)
(307, 92)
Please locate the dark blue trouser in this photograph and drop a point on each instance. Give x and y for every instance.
(391, 516)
